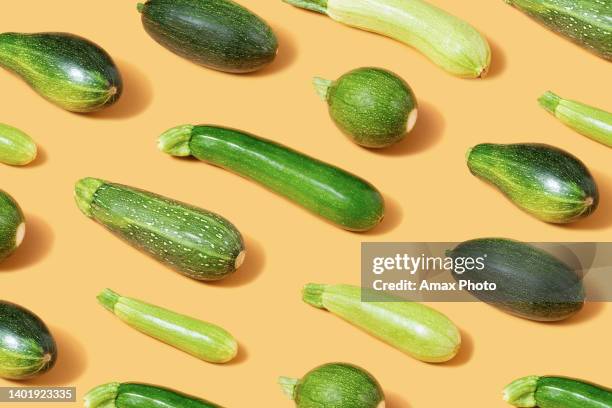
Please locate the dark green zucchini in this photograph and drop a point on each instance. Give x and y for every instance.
(587, 23)
(218, 34)
(334, 385)
(199, 244)
(556, 392)
(135, 395)
(326, 190)
(373, 106)
(69, 71)
(530, 282)
(27, 348)
(12, 225)
(547, 182)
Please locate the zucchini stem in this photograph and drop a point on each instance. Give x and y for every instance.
(550, 101)
(288, 385)
(322, 86)
(176, 141)
(84, 192)
(108, 299)
(521, 393)
(103, 396)
(313, 294)
(140, 7)
(320, 6)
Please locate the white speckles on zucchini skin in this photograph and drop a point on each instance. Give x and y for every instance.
(197, 243)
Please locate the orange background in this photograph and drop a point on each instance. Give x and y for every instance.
(67, 259)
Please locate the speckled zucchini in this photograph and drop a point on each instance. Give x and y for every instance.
(16, 147)
(587, 23)
(411, 327)
(546, 182)
(556, 392)
(345, 199)
(203, 340)
(374, 107)
(136, 395)
(334, 385)
(448, 41)
(12, 225)
(69, 71)
(27, 348)
(587, 120)
(199, 244)
(218, 34)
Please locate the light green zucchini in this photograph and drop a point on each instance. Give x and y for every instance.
(203, 340)
(448, 41)
(16, 147)
(411, 327)
(587, 120)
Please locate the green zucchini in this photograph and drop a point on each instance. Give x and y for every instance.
(136, 395)
(345, 199)
(411, 327)
(448, 41)
(203, 340)
(587, 23)
(373, 106)
(546, 182)
(197, 243)
(12, 225)
(334, 385)
(587, 120)
(218, 34)
(16, 147)
(27, 348)
(556, 392)
(530, 282)
(69, 71)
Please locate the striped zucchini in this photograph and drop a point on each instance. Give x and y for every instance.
(197, 243)
(16, 147)
(12, 225)
(587, 120)
(345, 199)
(203, 340)
(334, 385)
(411, 327)
(136, 395)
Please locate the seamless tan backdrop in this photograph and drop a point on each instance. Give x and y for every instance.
(67, 259)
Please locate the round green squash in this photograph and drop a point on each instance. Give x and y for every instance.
(12, 225)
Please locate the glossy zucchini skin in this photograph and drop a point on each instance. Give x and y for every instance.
(137, 395)
(411, 327)
(16, 147)
(332, 193)
(69, 71)
(12, 225)
(203, 340)
(334, 385)
(546, 182)
(587, 23)
(27, 348)
(531, 283)
(449, 42)
(587, 120)
(556, 392)
(218, 34)
(195, 242)
(373, 106)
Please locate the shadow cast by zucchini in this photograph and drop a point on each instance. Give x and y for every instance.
(393, 400)
(287, 54)
(241, 357)
(466, 351)
(498, 60)
(427, 133)
(36, 245)
(392, 219)
(590, 311)
(253, 266)
(41, 158)
(136, 98)
(602, 217)
(70, 365)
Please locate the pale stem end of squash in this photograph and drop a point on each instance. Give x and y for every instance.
(288, 385)
(521, 393)
(313, 294)
(320, 6)
(322, 86)
(175, 141)
(20, 234)
(84, 191)
(108, 299)
(550, 101)
(103, 396)
(468, 153)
